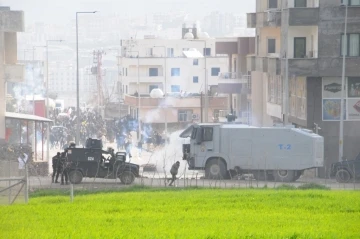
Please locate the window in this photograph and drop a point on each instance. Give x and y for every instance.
(195, 79)
(196, 62)
(170, 52)
(207, 134)
(185, 115)
(273, 4)
(175, 88)
(215, 71)
(151, 87)
(350, 44)
(271, 45)
(153, 72)
(351, 2)
(207, 52)
(300, 3)
(126, 90)
(299, 47)
(175, 71)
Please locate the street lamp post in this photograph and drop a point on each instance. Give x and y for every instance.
(343, 86)
(165, 88)
(121, 92)
(77, 139)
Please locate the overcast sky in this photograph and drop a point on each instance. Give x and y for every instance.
(58, 11)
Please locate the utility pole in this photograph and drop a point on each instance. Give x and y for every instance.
(286, 78)
(77, 139)
(343, 86)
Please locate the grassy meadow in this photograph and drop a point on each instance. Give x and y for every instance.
(187, 213)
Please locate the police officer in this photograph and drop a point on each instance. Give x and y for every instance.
(55, 166)
(63, 168)
(174, 171)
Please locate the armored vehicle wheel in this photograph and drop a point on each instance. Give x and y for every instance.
(215, 169)
(284, 175)
(342, 176)
(127, 177)
(75, 177)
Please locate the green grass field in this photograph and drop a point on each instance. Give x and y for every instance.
(189, 213)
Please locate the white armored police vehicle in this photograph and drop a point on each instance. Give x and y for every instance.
(274, 153)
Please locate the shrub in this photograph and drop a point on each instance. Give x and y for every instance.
(286, 187)
(315, 186)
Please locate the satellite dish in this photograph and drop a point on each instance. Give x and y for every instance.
(156, 93)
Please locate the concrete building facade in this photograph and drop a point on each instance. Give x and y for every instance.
(11, 22)
(236, 82)
(309, 35)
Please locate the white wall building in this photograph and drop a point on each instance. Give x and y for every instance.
(162, 64)
(62, 81)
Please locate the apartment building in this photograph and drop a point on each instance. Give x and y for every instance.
(183, 69)
(181, 73)
(296, 71)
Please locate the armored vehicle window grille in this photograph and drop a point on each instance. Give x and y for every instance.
(208, 134)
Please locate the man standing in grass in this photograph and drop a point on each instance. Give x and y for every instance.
(174, 171)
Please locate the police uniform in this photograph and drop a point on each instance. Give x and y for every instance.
(55, 166)
(63, 167)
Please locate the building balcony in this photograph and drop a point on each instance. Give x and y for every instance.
(303, 16)
(12, 21)
(215, 102)
(271, 18)
(318, 67)
(242, 117)
(234, 83)
(14, 73)
(144, 79)
(264, 64)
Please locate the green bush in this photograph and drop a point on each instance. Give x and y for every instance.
(315, 186)
(286, 187)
